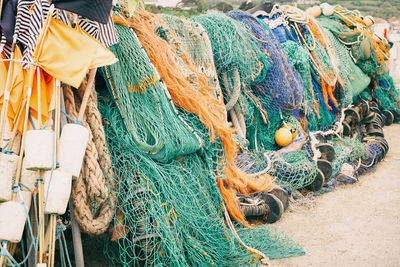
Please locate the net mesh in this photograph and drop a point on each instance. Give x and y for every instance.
(282, 88)
(169, 209)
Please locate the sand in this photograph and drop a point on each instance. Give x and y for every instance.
(355, 225)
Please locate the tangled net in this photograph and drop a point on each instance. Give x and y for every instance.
(168, 212)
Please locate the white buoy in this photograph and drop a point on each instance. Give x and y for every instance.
(73, 142)
(39, 150)
(328, 10)
(323, 5)
(8, 168)
(57, 189)
(12, 221)
(28, 178)
(314, 11)
(369, 20)
(377, 37)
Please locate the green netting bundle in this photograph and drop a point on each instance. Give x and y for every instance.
(386, 93)
(300, 59)
(234, 47)
(162, 135)
(293, 170)
(367, 53)
(195, 41)
(168, 213)
(354, 81)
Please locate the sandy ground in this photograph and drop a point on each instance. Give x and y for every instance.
(355, 225)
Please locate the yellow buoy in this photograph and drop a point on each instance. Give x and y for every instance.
(293, 130)
(283, 136)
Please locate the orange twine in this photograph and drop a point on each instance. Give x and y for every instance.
(199, 101)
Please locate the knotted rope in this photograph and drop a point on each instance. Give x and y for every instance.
(92, 192)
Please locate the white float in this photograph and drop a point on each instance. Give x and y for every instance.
(369, 20)
(39, 149)
(12, 221)
(57, 189)
(328, 10)
(73, 142)
(28, 178)
(314, 11)
(8, 167)
(323, 5)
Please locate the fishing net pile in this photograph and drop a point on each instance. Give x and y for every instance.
(212, 122)
(169, 207)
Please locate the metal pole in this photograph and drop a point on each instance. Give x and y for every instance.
(76, 237)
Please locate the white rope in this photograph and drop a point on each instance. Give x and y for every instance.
(264, 260)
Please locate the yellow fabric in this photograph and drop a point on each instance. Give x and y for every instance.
(103, 56)
(46, 85)
(67, 54)
(29, 75)
(3, 76)
(16, 86)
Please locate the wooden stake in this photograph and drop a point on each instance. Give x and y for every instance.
(88, 89)
(21, 152)
(53, 217)
(16, 123)
(41, 217)
(6, 97)
(39, 103)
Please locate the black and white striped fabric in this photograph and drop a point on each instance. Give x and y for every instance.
(104, 33)
(107, 34)
(5, 47)
(2, 42)
(30, 18)
(31, 15)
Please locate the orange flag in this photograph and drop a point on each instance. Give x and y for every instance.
(46, 86)
(67, 54)
(16, 86)
(3, 76)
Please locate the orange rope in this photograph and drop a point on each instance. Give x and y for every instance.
(198, 101)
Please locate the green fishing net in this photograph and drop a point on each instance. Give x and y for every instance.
(234, 47)
(195, 41)
(293, 170)
(354, 81)
(162, 136)
(386, 93)
(300, 59)
(168, 213)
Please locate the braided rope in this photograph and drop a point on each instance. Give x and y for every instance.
(92, 192)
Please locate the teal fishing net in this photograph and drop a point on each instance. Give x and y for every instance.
(162, 135)
(386, 93)
(168, 213)
(234, 47)
(354, 81)
(195, 41)
(282, 87)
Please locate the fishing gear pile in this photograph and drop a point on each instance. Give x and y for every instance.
(181, 139)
